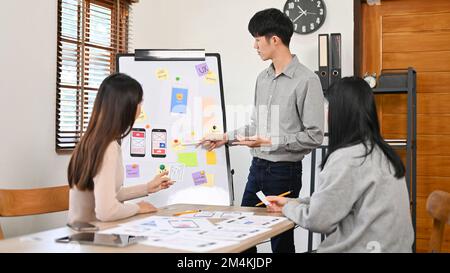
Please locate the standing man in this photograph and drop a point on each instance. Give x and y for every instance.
(287, 122)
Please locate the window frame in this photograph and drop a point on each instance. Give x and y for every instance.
(119, 42)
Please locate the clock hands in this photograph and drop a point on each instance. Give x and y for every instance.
(303, 12)
(298, 17)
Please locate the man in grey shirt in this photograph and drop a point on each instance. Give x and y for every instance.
(287, 121)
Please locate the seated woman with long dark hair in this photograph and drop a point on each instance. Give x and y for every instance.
(362, 201)
(96, 169)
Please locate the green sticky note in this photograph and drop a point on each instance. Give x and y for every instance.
(188, 159)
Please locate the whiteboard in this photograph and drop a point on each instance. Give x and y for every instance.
(185, 99)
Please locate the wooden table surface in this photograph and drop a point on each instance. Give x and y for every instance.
(45, 241)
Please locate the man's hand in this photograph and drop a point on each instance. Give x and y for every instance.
(253, 142)
(212, 143)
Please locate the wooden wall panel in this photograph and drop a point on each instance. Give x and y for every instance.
(433, 82)
(427, 103)
(426, 124)
(421, 61)
(416, 41)
(422, 22)
(415, 33)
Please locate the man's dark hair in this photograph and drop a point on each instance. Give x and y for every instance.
(271, 22)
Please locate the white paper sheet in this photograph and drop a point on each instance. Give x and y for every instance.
(216, 214)
(231, 232)
(139, 230)
(262, 197)
(254, 221)
(189, 243)
(171, 223)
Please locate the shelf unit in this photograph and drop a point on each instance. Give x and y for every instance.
(402, 81)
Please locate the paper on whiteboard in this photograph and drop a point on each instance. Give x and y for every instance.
(176, 171)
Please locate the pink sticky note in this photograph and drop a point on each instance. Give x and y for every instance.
(132, 171)
(202, 69)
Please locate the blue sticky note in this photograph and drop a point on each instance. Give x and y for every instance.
(179, 100)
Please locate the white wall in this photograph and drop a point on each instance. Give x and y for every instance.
(28, 82)
(221, 26)
(27, 106)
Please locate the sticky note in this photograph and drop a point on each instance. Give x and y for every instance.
(211, 77)
(142, 116)
(202, 69)
(188, 159)
(210, 180)
(132, 171)
(199, 178)
(262, 197)
(162, 74)
(179, 100)
(211, 158)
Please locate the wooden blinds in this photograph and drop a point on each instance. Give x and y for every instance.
(90, 33)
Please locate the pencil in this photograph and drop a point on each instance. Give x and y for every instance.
(281, 195)
(187, 212)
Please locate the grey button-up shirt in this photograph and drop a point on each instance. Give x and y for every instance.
(289, 108)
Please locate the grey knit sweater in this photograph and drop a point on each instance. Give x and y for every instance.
(359, 204)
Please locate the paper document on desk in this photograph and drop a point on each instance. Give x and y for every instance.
(230, 232)
(254, 221)
(217, 214)
(139, 230)
(171, 223)
(189, 243)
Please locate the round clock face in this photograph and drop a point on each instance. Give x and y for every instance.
(307, 16)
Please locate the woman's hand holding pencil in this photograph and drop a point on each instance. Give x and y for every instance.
(280, 195)
(276, 203)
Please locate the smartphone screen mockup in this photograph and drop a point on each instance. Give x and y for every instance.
(137, 142)
(159, 142)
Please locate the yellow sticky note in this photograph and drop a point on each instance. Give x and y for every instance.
(188, 159)
(210, 180)
(211, 158)
(162, 74)
(142, 116)
(211, 77)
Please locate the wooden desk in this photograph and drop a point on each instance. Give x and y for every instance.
(45, 241)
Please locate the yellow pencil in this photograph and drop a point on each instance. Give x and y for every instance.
(187, 212)
(281, 195)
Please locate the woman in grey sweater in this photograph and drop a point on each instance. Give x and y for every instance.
(362, 201)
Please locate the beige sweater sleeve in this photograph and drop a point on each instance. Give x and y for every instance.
(132, 192)
(107, 203)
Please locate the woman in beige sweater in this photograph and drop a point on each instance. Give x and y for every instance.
(95, 171)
